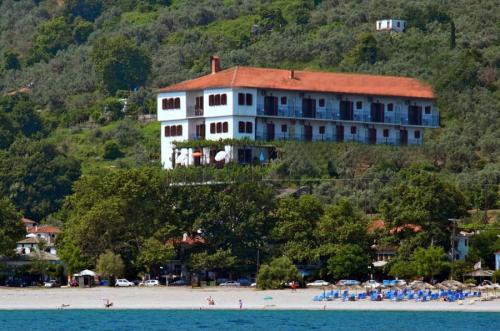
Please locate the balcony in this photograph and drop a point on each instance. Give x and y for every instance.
(390, 117)
(194, 111)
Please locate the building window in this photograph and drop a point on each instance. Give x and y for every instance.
(321, 102)
(249, 99)
(283, 100)
(225, 127)
(386, 133)
(217, 99)
(321, 130)
(173, 130)
(199, 103)
(427, 110)
(353, 129)
(249, 127)
(171, 103)
(359, 104)
(417, 134)
(283, 128)
(390, 107)
(212, 127)
(241, 127)
(245, 99)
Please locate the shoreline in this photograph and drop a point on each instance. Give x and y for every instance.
(186, 298)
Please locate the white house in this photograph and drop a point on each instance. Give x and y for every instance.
(262, 104)
(45, 232)
(391, 25)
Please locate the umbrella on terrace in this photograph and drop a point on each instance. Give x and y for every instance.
(453, 283)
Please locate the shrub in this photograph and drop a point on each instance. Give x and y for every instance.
(280, 271)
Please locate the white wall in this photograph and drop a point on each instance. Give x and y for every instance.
(166, 142)
(171, 114)
(222, 110)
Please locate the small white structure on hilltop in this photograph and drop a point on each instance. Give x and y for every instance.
(391, 25)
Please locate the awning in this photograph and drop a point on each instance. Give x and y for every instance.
(378, 264)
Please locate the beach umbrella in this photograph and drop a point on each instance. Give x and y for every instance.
(268, 298)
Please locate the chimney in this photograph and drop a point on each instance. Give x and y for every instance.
(215, 63)
(292, 74)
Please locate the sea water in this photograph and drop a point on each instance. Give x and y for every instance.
(229, 320)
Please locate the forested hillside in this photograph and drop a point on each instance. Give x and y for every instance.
(74, 76)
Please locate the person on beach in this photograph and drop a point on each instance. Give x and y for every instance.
(241, 303)
(294, 286)
(211, 301)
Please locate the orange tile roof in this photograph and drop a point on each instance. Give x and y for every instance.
(44, 229)
(310, 81)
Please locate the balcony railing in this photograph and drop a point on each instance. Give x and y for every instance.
(266, 136)
(390, 117)
(194, 111)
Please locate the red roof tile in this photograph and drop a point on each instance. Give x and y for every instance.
(329, 82)
(44, 229)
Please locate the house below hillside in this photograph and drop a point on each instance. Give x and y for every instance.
(261, 104)
(391, 25)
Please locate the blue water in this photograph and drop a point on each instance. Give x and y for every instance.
(244, 320)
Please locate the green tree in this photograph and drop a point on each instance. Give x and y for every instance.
(347, 261)
(52, 36)
(120, 64)
(154, 254)
(112, 151)
(11, 228)
(86, 9)
(110, 265)
(296, 219)
(366, 51)
(430, 262)
(37, 177)
(81, 30)
(276, 274)
(483, 247)
(11, 60)
(215, 262)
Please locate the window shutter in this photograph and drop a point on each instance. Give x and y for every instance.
(417, 134)
(212, 127)
(386, 133)
(164, 104)
(241, 99)
(171, 103)
(321, 130)
(359, 105)
(211, 100)
(321, 102)
(219, 127)
(283, 128)
(353, 130)
(179, 130)
(283, 100)
(167, 130)
(241, 127)
(223, 99)
(217, 100)
(225, 127)
(173, 131)
(249, 127)
(177, 103)
(249, 99)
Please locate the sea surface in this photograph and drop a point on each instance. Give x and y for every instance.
(229, 320)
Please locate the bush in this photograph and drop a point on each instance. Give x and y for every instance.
(496, 276)
(276, 274)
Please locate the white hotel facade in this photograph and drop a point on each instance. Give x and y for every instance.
(272, 104)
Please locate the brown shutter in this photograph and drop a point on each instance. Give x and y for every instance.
(217, 100)
(177, 103)
(212, 127)
(164, 104)
(225, 127)
(167, 130)
(211, 100)
(241, 99)
(241, 127)
(179, 130)
(219, 127)
(249, 99)
(249, 127)
(223, 99)
(173, 130)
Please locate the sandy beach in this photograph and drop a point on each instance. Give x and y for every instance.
(227, 298)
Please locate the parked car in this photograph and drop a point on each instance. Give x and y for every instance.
(230, 283)
(245, 282)
(151, 282)
(348, 282)
(123, 283)
(219, 281)
(253, 285)
(179, 282)
(104, 282)
(318, 283)
(52, 283)
(16, 283)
